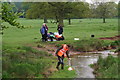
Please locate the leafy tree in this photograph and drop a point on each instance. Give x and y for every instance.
(38, 10)
(57, 10)
(79, 10)
(104, 10)
(8, 15)
(61, 10)
(70, 10)
(25, 6)
(107, 9)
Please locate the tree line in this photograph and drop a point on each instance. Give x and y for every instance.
(58, 11)
(69, 10)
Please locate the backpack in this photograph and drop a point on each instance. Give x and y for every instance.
(42, 30)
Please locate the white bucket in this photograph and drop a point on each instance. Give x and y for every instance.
(70, 69)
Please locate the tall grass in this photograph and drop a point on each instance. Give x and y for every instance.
(107, 68)
(24, 62)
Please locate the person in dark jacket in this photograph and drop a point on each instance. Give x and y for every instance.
(61, 53)
(51, 36)
(60, 29)
(43, 31)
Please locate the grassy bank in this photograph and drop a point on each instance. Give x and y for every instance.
(25, 62)
(64, 74)
(107, 68)
(19, 60)
(91, 44)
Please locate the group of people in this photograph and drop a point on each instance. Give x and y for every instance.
(51, 35)
(63, 51)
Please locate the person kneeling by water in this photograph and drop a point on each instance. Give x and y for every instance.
(61, 53)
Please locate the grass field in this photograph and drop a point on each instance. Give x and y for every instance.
(14, 38)
(80, 28)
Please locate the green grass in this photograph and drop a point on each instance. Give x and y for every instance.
(107, 68)
(64, 73)
(14, 40)
(25, 62)
(83, 30)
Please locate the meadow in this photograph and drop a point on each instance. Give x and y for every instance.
(17, 54)
(80, 28)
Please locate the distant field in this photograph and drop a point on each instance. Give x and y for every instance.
(80, 28)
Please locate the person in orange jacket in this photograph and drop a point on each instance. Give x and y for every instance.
(61, 53)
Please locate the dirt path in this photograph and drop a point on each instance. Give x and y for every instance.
(51, 49)
(111, 38)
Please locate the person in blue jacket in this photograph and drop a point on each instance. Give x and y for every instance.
(43, 32)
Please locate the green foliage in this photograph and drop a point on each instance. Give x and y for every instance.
(38, 10)
(6, 74)
(8, 15)
(108, 67)
(24, 62)
(108, 9)
(116, 43)
(55, 10)
(104, 10)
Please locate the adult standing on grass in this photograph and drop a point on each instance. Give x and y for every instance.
(46, 27)
(60, 29)
(43, 31)
(61, 53)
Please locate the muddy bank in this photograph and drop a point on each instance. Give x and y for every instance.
(111, 38)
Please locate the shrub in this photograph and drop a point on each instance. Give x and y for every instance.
(5, 74)
(115, 43)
